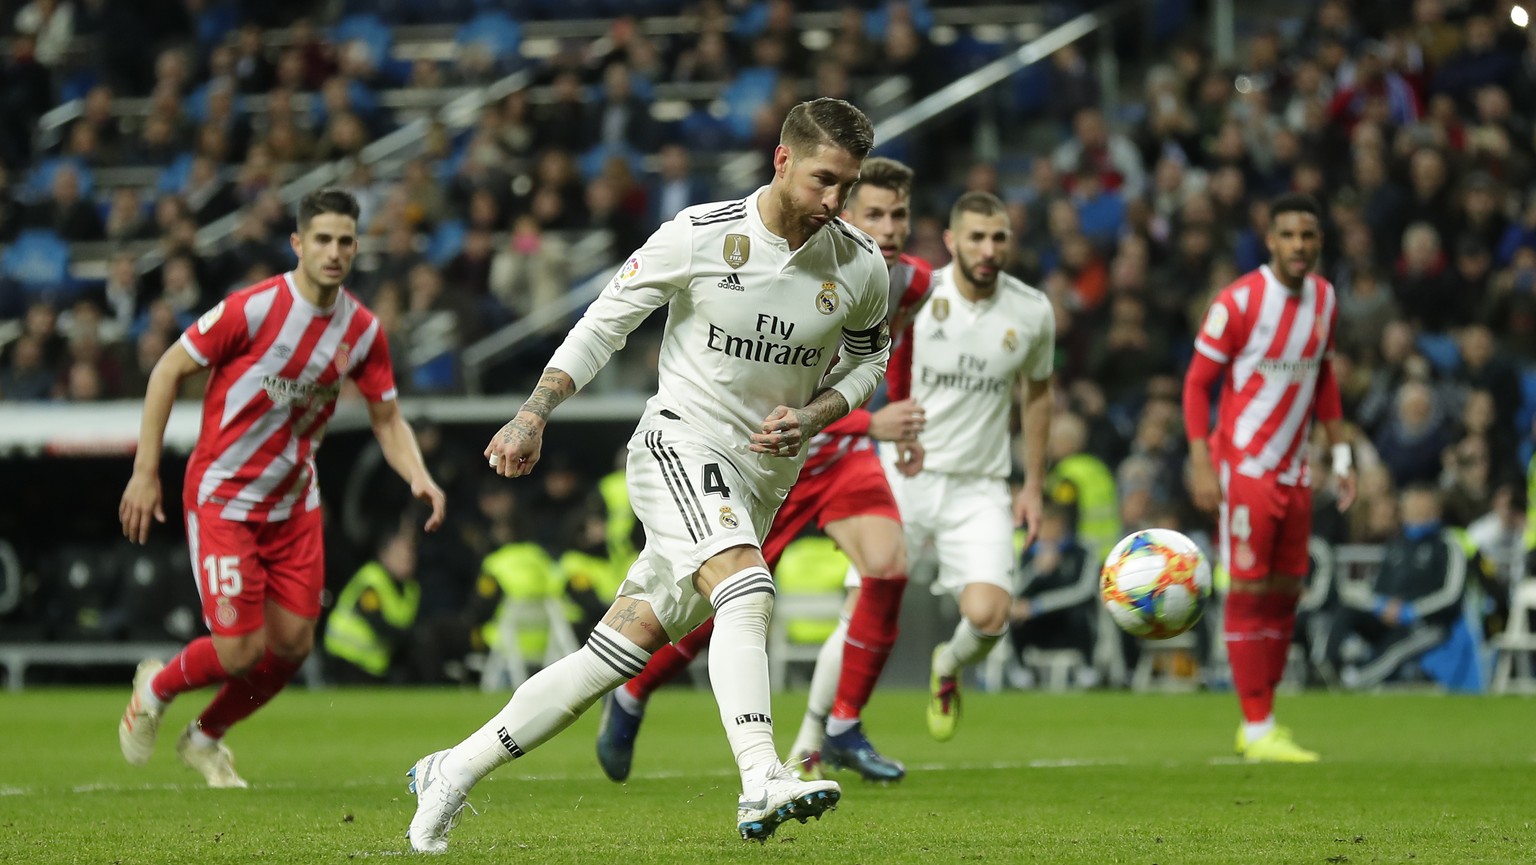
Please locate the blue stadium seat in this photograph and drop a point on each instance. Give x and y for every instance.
(369, 30)
(494, 29)
(218, 20)
(751, 90)
(173, 178)
(1527, 412)
(1441, 351)
(446, 241)
(40, 181)
(877, 20)
(38, 261)
(590, 164)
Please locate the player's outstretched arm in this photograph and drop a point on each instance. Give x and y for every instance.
(403, 454)
(515, 449)
(141, 500)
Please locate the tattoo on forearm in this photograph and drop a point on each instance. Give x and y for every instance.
(826, 407)
(554, 387)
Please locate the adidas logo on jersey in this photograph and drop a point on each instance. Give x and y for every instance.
(732, 282)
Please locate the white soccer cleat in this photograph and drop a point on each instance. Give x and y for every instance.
(781, 797)
(136, 731)
(438, 804)
(214, 762)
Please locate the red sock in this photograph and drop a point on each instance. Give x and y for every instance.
(871, 634)
(1280, 622)
(1248, 648)
(195, 666)
(670, 660)
(240, 697)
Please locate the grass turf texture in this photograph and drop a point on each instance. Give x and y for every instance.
(1091, 778)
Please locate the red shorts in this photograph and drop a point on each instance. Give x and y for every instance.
(854, 486)
(242, 565)
(1265, 526)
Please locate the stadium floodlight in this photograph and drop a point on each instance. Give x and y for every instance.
(1519, 16)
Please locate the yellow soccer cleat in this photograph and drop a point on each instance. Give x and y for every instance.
(943, 701)
(1278, 747)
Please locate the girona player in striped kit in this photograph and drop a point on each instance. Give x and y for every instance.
(1267, 339)
(276, 353)
(843, 488)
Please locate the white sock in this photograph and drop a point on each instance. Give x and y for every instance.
(966, 647)
(738, 669)
(839, 726)
(1256, 730)
(149, 700)
(201, 739)
(546, 704)
(629, 702)
(829, 668)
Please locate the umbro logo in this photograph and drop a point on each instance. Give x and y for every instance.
(732, 282)
(282, 351)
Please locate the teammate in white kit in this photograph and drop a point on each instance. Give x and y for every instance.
(761, 294)
(276, 354)
(979, 333)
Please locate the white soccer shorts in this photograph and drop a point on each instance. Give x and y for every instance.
(694, 503)
(964, 521)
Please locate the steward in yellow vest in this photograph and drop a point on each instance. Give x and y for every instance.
(374, 615)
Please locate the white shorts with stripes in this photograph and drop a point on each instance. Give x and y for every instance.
(964, 521)
(694, 504)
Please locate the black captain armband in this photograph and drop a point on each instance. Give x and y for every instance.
(869, 341)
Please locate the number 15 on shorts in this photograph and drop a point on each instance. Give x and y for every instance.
(222, 575)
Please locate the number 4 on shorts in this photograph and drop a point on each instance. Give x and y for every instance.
(714, 482)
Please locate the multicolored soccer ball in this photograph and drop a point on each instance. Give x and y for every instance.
(1155, 583)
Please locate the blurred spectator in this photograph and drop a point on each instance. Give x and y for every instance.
(531, 271)
(470, 270)
(619, 119)
(1366, 308)
(25, 376)
(1420, 283)
(675, 186)
(1093, 147)
(11, 212)
(65, 211)
(1412, 440)
(1483, 367)
(51, 24)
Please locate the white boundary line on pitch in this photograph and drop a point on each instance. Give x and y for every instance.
(662, 775)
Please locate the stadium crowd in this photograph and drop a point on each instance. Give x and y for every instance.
(1409, 121)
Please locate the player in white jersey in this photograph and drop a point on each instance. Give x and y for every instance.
(761, 294)
(980, 332)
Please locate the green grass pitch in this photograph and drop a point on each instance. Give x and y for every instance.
(1085, 778)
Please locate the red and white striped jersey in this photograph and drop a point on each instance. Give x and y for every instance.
(911, 283)
(1272, 343)
(277, 362)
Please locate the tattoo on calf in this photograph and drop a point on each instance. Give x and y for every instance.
(624, 616)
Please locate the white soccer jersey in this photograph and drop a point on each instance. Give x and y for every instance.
(966, 358)
(751, 325)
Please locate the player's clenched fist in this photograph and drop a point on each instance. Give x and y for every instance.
(514, 450)
(782, 435)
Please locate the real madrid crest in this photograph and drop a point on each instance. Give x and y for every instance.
(728, 519)
(1011, 340)
(940, 308)
(738, 248)
(826, 299)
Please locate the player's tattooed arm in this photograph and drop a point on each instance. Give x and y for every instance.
(827, 407)
(555, 386)
(787, 430)
(515, 448)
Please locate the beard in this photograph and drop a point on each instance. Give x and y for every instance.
(969, 269)
(796, 215)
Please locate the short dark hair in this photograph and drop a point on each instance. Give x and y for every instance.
(828, 121)
(1294, 202)
(884, 173)
(330, 199)
(975, 201)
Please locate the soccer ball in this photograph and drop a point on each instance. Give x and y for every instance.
(1155, 583)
